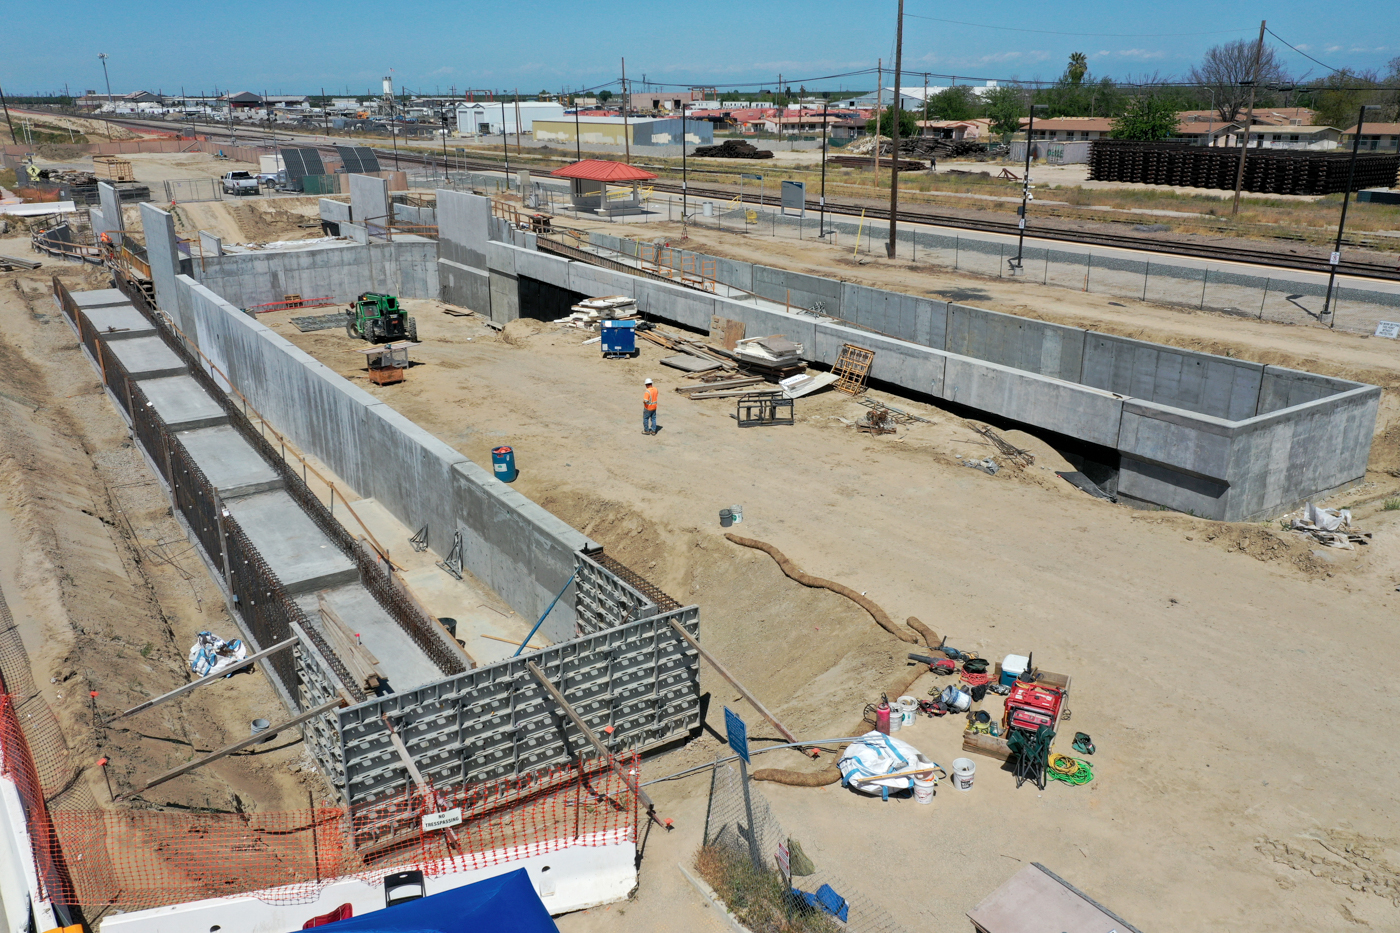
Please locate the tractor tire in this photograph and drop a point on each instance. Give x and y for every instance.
(412, 330)
(350, 330)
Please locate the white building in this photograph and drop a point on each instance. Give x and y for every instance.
(487, 117)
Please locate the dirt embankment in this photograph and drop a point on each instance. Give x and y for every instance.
(107, 589)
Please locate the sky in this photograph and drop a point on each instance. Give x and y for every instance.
(430, 46)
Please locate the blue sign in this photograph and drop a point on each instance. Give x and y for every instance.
(738, 734)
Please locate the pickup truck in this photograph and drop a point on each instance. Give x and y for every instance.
(240, 183)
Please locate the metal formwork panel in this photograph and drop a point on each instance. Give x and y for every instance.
(604, 600)
(641, 679)
(317, 685)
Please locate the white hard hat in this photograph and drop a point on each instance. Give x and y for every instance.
(648, 382)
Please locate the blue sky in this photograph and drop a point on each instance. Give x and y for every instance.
(529, 44)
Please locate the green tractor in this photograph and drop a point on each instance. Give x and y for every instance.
(379, 319)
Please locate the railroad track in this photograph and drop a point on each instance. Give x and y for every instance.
(1389, 272)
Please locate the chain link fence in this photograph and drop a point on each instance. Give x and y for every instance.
(183, 190)
(1289, 297)
(725, 861)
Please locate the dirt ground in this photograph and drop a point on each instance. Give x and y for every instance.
(108, 591)
(1238, 786)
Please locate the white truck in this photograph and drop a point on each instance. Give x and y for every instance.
(237, 183)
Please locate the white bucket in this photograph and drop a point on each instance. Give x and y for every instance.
(963, 770)
(909, 706)
(896, 719)
(924, 787)
(957, 700)
(738, 512)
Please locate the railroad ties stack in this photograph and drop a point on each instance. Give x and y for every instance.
(1273, 171)
(857, 161)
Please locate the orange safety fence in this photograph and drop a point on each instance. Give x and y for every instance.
(136, 859)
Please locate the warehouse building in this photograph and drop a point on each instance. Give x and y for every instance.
(612, 131)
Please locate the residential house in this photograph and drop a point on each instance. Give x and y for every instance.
(1070, 128)
(970, 130)
(1375, 137)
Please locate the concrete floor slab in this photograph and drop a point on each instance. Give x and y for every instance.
(400, 660)
(229, 462)
(488, 628)
(119, 323)
(302, 555)
(182, 403)
(147, 358)
(99, 298)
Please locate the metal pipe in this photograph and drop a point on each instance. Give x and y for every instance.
(752, 751)
(547, 611)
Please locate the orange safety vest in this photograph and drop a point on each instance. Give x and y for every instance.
(649, 398)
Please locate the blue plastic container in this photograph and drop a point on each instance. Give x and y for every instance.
(503, 462)
(619, 338)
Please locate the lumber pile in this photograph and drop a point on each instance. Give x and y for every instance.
(722, 388)
(345, 642)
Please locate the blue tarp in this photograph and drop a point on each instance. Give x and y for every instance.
(504, 904)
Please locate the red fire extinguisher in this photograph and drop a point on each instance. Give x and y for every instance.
(882, 715)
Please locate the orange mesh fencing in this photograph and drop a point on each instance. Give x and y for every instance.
(136, 859)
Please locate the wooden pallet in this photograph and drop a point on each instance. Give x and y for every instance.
(852, 368)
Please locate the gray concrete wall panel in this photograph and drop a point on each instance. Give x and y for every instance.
(161, 253)
(677, 303)
(1045, 402)
(1281, 459)
(542, 267)
(111, 206)
(463, 222)
(505, 297)
(1177, 438)
(369, 199)
(406, 267)
(1210, 385)
(761, 322)
(464, 287)
(596, 282)
(1021, 343)
(896, 362)
(337, 212)
(1160, 485)
(1284, 388)
(412, 472)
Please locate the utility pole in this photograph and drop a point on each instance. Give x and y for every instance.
(1026, 195)
(517, 121)
(781, 108)
(505, 142)
(894, 131)
(102, 56)
(1248, 120)
(826, 128)
(626, 134)
(879, 105)
(578, 135)
(685, 229)
(1336, 257)
(3, 103)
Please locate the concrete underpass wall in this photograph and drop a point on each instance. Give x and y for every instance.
(406, 267)
(512, 544)
(1191, 427)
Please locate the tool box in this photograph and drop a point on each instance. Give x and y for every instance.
(619, 338)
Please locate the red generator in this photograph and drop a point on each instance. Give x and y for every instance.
(1030, 706)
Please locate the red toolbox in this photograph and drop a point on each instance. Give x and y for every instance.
(1036, 698)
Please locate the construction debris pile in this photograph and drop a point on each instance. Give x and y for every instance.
(774, 357)
(590, 312)
(1328, 527)
(733, 149)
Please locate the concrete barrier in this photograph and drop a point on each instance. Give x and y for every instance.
(406, 267)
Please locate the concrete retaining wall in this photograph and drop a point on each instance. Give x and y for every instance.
(1195, 432)
(515, 546)
(407, 267)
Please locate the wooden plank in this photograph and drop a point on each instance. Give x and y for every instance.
(720, 385)
(728, 332)
(194, 684)
(361, 661)
(238, 746)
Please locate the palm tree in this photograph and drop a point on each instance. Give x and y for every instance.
(1078, 67)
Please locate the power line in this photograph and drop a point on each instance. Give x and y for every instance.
(1301, 52)
(1086, 35)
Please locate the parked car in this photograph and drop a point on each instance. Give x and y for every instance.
(240, 183)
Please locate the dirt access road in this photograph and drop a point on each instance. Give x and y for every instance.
(1238, 786)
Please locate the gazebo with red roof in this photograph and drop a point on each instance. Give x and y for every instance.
(589, 180)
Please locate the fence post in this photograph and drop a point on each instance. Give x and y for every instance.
(1146, 271)
(1267, 282)
(1204, 276)
(1001, 258)
(1045, 278)
(1088, 267)
(957, 244)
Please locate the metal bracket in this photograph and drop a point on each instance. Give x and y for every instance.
(453, 562)
(420, 540)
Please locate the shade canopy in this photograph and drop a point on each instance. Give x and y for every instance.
(602, 170)
(504, 904)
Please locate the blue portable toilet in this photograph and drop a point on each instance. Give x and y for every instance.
(619, 338)
(503, 463)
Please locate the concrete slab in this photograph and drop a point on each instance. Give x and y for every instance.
(99, 298)
(229, 462)
(400, 660)
(147, 358)
(182, 403)
(121, 322)
(302, 555)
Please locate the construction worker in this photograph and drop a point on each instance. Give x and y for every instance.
(649, 397)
